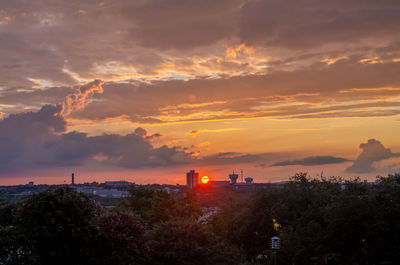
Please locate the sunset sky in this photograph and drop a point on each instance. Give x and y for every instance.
(146, 90)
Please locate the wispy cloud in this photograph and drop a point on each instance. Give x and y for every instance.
(196, 132)
(80, 99)
(313, 161)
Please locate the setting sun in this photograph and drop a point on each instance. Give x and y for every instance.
(205, 179)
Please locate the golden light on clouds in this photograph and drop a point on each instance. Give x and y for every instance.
(195, 132)
(206, 84)
(330, 61)
(238, 50)
(4, 19)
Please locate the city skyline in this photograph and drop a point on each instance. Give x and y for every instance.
(146, 91)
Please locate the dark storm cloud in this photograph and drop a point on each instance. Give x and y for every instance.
(372, 151)
(22, 135)
(35, 140)
(143, 133)
(313, 161)
(38, 139)
(129, 151)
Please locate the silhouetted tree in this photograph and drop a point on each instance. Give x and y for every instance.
(157, 205)
(120, 240)
(185, 242)
(58, 225)
(386, 242)
(319, 220)
(247, 223)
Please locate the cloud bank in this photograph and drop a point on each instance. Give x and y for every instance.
(199, 60)
(373, 151)
(313, 161)
(39, 140)
(182, 61)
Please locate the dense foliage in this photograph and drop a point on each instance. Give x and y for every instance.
(319, 221)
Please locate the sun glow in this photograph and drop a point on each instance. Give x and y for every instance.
(205, 179)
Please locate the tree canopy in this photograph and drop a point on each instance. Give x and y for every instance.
(319, 221)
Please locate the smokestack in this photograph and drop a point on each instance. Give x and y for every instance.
(73, 179)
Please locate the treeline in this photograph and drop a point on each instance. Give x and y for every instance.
(319, 221)
(61, 226)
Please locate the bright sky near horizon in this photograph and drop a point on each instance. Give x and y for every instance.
(146, 90)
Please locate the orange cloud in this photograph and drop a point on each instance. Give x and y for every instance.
(240, 49)
(203, 144)
(193, 105)
(4, 18)
(80, 99)
(100, 157)
(195, 132)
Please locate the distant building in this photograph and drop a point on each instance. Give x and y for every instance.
(102, 192)
(73, 179)
(110, 193)
(171, 190)
(220, 183)
(192, 179)
(31, 184)
(118, 184)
